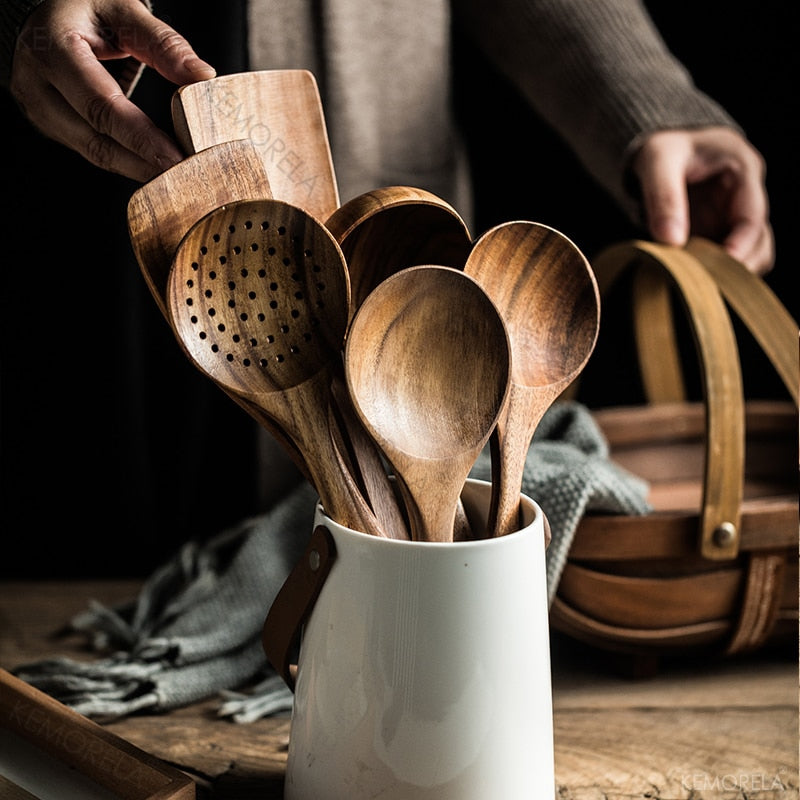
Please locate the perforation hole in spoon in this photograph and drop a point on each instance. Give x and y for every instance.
(255, 296)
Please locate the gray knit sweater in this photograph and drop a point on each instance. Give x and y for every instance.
(597, 71)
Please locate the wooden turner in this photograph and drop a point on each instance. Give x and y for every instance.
(162, 211)
(280, 113)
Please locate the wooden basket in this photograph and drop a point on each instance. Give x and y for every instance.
(715, 565)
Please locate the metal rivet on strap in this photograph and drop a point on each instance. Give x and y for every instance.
(314, 560)
(725, 534)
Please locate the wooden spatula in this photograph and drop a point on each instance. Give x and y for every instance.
(280, 113)
(161, 211)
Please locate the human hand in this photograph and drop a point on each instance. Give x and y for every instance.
(59, 81)
(707, 182)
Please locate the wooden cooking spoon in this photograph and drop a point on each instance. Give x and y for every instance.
(280, 113)
(395, 227)
(427, 363)
(392, 228)
(546, 292)
(258, 297)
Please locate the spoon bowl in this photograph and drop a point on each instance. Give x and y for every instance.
(395, 227)
(547, 294)
(427, 363)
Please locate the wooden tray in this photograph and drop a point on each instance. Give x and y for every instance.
(94, 755)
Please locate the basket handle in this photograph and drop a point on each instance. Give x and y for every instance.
(771, 324)
(748, 295)
(658, 268)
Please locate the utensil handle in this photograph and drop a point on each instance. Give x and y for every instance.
(367, 466)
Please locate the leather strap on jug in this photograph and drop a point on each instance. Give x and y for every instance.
(294, 602)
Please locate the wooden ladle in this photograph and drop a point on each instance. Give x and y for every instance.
(392, 228)
(259, 299)
(427, 363)
(547, 294)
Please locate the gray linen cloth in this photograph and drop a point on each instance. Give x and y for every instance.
(194, 631)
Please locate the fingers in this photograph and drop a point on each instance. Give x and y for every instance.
(750, 238)
(707, 182)
(758, 255)
(64, 89)
(86, 111)
(63, 124)
(149, 39)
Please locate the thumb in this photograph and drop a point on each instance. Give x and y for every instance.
(153, 42)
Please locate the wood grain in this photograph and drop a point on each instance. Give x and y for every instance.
(546, 292)
(392, 228)
(701, 729)
(87, 748)
(259, 298)
(161, 211)
(280, 113)
(427, 362)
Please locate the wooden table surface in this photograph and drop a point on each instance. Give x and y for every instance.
(719, 729)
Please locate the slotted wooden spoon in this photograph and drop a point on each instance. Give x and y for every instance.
(427, 363)
(280, 113)
(546, 292)
(259, 297)
(161, 212)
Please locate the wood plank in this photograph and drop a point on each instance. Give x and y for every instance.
(676, 754)
(583, 679)
(701, 729)
(236, 760)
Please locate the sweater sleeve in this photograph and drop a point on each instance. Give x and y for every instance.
(12, 14)
(598, 72)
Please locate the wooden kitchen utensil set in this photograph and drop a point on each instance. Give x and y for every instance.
(359, 339)
(383, 347)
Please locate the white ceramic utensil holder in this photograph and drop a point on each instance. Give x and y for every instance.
(424, 669)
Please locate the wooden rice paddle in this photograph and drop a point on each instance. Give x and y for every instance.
(427, 363)
(547, 295)
(258, 297)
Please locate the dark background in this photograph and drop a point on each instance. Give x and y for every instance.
(115, 450)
